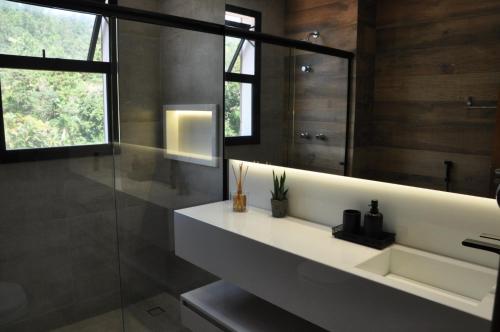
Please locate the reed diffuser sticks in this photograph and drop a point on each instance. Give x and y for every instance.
(239, 198)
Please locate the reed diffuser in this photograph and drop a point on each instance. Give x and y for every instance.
(239, 198)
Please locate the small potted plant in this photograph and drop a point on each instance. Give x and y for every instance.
(279, 201)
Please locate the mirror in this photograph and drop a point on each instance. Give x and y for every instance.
(422, 108)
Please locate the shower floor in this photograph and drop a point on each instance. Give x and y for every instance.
(159, 313)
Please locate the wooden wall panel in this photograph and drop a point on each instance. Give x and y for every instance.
(347, 25)
(431, 55)
(449, 60)
(467, 31)
(341, 37)
(410, 12)
(495, 159)
(438, 88)
(318, 158)
(463, 138)
(363, 86)
(309, 15)
(425, 168)
(321, 96)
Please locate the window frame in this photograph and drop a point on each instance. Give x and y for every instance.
(254, 80)
(108, 69)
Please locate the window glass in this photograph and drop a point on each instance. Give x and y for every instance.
(240, 56)
(240, 53)
(238, 109)
(30, 30)
(247, 22)
(45, 109)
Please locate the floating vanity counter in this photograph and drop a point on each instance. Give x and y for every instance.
(340, 286)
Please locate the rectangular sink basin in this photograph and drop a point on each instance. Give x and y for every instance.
(441, 275)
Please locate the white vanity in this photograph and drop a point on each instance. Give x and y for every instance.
(300, 267)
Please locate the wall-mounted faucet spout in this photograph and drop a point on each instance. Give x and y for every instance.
(490, 246)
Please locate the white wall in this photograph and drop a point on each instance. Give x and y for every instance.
(426, 219)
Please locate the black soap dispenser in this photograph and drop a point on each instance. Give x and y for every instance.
(373, 222)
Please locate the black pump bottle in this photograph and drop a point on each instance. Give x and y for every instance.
(374, 220)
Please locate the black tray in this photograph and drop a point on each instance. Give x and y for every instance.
(385, 239)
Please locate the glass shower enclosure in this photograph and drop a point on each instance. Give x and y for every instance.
(111, 121)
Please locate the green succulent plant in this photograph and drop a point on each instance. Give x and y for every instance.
(279, 193)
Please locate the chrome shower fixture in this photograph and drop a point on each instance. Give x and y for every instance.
(306, 69)
(315, 35)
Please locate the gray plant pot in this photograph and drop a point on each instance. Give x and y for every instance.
(279, 208)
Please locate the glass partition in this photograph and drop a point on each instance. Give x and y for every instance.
(59, 265)
(171, 97)
(302, 107)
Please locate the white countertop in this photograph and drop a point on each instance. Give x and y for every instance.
(315, 242)
(299, 237)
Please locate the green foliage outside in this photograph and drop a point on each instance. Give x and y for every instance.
(43, 108)
(232, 110)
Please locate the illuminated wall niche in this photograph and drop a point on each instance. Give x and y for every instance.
(190, 133)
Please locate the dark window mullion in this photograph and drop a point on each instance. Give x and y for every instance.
(235, 55)
(36, 63)
(242, 78)
(113, 82)
(3, 145)
(94, 38)
(36, 154)
(239, 25)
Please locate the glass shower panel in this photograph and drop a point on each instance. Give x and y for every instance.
(59, 267)
(319, 106)
(302, 106)
(58, 251)
(171, 97)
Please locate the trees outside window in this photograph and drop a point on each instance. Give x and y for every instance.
(54, 76)
(242, 79)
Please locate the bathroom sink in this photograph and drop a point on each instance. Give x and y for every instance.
(442, 276)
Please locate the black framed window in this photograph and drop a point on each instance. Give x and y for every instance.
(55, 83)
(242, 79)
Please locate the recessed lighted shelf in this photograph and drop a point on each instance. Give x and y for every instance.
(190, 133)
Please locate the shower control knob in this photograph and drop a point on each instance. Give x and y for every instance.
(306, 69)
(305, 135)
(321, 137)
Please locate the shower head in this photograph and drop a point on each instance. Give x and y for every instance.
(314, 34)
(306, 69)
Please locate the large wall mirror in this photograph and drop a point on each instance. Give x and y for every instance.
(418, 106)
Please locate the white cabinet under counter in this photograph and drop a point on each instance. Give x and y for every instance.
(298, 266)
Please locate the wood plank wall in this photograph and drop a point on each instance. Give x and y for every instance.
(320, 99)
(430, 56)
(495, 159)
